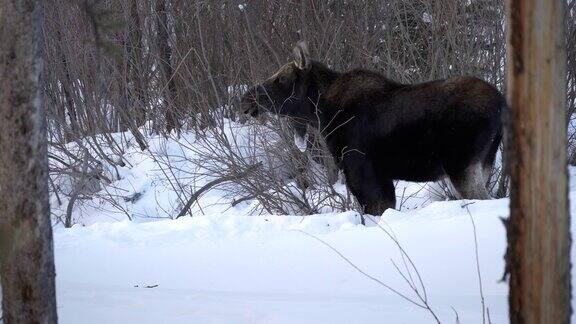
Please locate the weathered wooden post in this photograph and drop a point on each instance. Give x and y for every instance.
(538, 258)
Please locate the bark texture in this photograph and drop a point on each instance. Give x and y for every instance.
(538, 257)
(26, 248)
(166, 65)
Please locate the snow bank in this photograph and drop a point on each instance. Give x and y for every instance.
(155, 183)
(269, 269)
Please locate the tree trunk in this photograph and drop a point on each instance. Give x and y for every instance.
(538, 257)
(129, 107)
(134, 48)
(166, 63)
(26, 250)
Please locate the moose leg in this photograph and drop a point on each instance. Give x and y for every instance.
(470, 183)
(373, 194)
(387, 199)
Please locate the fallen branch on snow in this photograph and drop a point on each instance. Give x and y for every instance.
(216, 182)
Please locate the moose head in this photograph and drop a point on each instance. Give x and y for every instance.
(291, 91)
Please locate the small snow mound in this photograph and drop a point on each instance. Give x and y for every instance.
(211, 227)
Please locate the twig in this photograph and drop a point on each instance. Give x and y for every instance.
(362, 271)
(243, 199)
(213, 183)
(457, 317)
(477, 261)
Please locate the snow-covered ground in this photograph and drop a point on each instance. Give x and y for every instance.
(231, 265)
(274, 269)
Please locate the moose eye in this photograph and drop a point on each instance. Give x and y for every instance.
(282, 79)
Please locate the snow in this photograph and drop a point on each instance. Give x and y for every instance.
(426, 17)
(268, 269)
(301, 142)
(127, 261)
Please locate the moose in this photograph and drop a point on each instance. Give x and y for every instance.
(379, 130)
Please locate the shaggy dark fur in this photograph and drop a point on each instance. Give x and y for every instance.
(379, 130)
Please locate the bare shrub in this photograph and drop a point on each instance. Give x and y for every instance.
(287, 180)
(168, 67)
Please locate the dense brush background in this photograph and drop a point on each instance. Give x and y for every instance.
(157, 80)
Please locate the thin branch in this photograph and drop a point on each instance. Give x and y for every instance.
(215, 182)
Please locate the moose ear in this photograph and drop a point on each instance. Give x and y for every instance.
(302, 56)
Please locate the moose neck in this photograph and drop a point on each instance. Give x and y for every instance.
(321, 78)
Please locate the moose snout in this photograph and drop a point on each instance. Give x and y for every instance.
(249, 108)
(249, 104)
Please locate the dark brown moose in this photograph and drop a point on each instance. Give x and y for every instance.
(379, 130)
